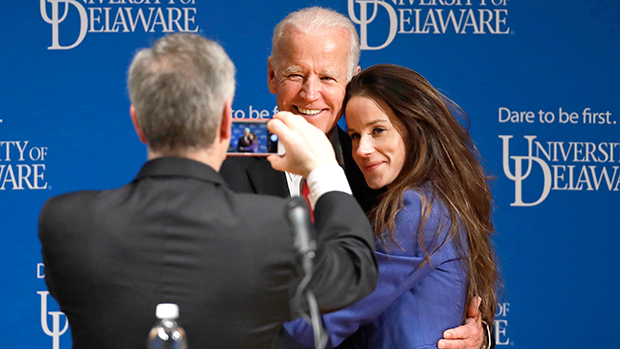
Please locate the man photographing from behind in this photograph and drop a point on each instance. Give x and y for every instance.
(177, 234)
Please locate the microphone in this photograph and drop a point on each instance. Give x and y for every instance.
(298, 215)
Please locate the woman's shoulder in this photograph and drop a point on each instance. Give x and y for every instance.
(413, 197)
(408, 226)
(409, 214)
(415, 200)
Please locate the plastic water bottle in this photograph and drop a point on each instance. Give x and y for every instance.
(167, 334)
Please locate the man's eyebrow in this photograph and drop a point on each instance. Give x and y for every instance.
(290, 69)
(331, 73)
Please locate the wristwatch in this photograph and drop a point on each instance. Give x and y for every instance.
(487, 339)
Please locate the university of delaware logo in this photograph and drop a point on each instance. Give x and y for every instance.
(363, 20)
(114, 16)
(56, 19)
(425, 17)
(518, 176)
(565, 165)
(55, 332)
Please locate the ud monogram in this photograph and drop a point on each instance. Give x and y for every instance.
(429, 17)
(518, 177)
(55, 20)
(363, 21)
(56, 332)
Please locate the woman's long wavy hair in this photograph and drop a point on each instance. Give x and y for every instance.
(440, 155)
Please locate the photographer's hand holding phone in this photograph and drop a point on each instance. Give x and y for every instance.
(307, 147)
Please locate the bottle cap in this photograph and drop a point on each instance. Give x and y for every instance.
(167, 311)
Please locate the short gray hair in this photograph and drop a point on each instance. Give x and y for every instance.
(178, 89)
(317, 20)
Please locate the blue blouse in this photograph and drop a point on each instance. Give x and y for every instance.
(412, 305)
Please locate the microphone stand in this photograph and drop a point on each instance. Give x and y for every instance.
(299, 216)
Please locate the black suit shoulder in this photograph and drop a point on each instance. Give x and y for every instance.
(63, 213)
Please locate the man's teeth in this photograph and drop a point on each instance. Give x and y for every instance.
(308, 111)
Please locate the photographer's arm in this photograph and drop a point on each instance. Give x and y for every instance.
(345, 269)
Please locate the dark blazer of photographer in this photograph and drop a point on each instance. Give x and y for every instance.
(176, 233)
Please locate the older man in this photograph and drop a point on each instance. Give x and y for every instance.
(315, 52)
(177, 234)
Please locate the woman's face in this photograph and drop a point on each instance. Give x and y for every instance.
(378, 145)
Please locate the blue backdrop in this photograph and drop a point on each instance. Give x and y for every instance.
(539, 80)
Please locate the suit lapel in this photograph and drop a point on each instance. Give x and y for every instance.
(266, 180)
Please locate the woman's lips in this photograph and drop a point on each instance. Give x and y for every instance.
(371, 166)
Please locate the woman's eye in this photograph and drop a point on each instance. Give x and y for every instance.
(354, 136)
(378, 130)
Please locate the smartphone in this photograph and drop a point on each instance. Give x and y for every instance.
(250, 137)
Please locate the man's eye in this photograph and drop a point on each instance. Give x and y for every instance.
(328, 78)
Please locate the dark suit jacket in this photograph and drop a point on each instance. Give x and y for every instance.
(177, 234)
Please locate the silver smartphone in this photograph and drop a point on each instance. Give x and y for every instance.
(250, 137)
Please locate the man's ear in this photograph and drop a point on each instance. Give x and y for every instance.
(358, 70)
(225, 132)
(271, 78)
(136, 125)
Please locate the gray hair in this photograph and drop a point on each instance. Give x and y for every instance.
(317, 20)
(178, 89)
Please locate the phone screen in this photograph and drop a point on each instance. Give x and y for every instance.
(250, 137)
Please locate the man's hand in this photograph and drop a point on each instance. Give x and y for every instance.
(468, 336)
(307, 147)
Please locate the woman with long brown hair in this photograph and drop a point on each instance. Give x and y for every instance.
(432, 224)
